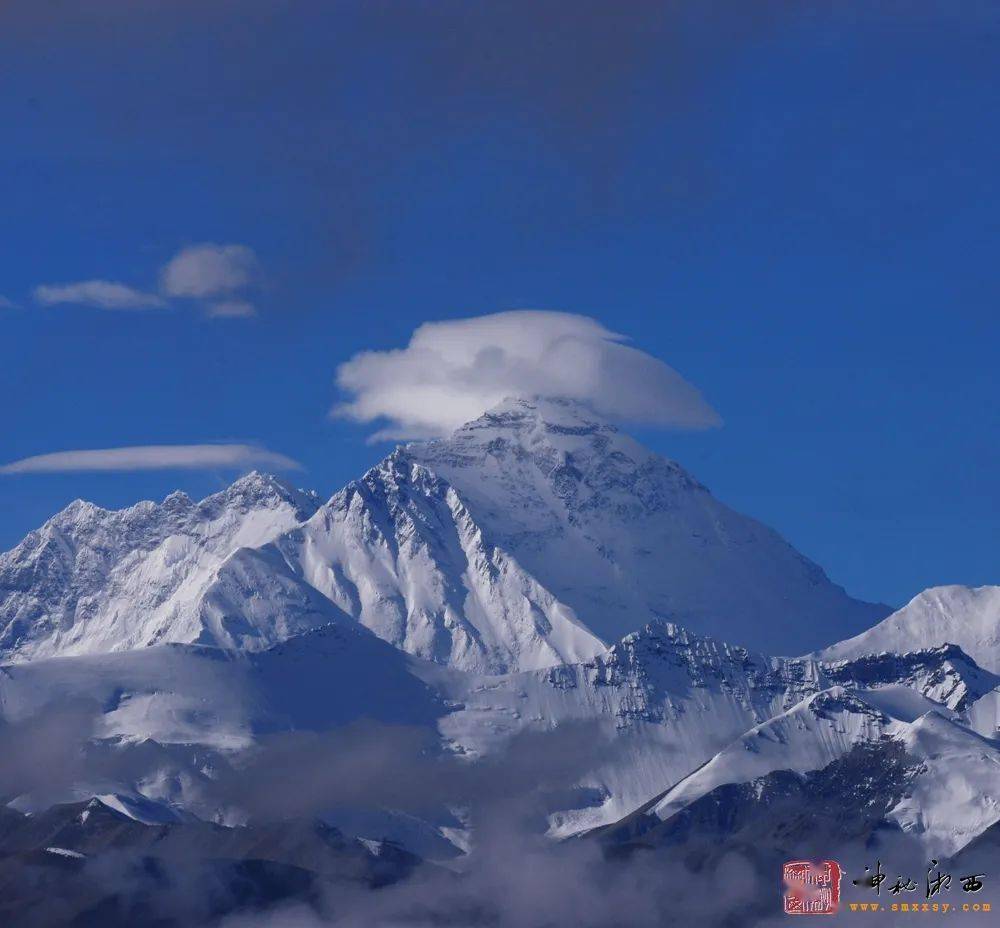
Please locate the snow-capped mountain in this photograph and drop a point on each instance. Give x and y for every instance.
(966, 616)
(536, 571)
(532, 537)
(810, 735)
(537, 534)
(675, 698)
(853, 810)
(622, 536)
(93, 580)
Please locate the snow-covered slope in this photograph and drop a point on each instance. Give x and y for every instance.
(663, 699)
(953, 786)
(622, 536)
(673, 700)
(669, 700)
(807, 737)
(956, 794)
(945, 676)
(399, 551)
(93, 580)
(968, 617)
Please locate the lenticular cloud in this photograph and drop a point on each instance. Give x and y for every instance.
(451, 372)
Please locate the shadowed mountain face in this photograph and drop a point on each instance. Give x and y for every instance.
(843, 811)
(86, 864)
(747, 831)
(789, 813)
(534, 536)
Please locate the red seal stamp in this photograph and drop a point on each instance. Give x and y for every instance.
(811, 887)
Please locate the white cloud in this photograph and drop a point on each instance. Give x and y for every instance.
(152, 457)
(208, 270)
(7, 304)
(231, 309)
(451, 372)
(104, 294)
(215, 273)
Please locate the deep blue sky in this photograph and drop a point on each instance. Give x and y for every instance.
(796, 208)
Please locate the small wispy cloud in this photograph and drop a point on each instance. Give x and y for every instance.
(152, 457)
(231, 309)
(104, 294)
(7, 304)
(218, 276)
(208, 270)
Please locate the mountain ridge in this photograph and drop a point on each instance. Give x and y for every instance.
(533, 536)
(966, 616)
(77, 583)
(668, 699)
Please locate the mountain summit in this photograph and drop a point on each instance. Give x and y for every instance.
(623, 536)
(533, 536)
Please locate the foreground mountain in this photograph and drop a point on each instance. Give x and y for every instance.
(93, 580)
(952, 796)
(743, 833)
(936, 709)
(191, 730)
(86, 864)
(857, 810)
(534, 536)
(709, 755)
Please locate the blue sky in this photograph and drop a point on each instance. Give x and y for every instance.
(795, 207)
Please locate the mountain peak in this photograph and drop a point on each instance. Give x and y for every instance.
(258, 480)
(551, 410)
(556, 438)
(623, 536)
(532, 419)
(256, 488)
(966, 616)
(178, 500)
(78, 509)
